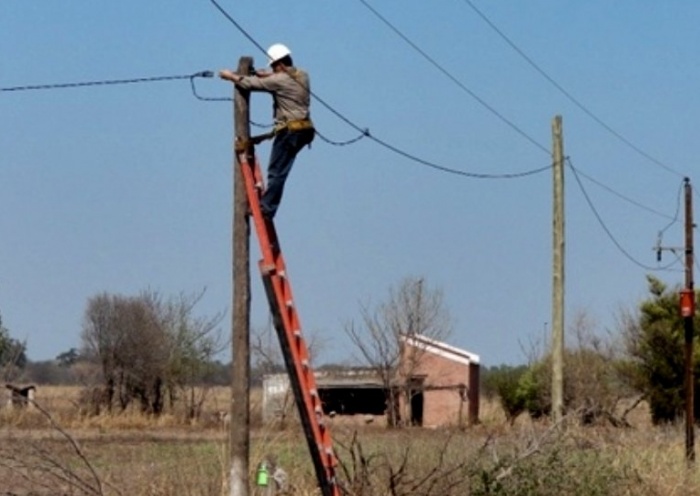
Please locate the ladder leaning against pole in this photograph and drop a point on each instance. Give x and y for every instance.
(288, 327)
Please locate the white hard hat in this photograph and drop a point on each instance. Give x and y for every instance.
(277, 52)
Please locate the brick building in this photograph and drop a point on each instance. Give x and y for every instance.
(441, 383)
(436, 385)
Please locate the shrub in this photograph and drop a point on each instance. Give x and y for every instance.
(504, 383)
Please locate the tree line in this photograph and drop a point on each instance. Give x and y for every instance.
(149, 352)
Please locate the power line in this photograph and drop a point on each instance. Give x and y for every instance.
(238, 26)
(343, 143)
(568, 95)
(454, 79)
(592, 115)
(191, 77)
(660, 236)
(449, 170)
(106, 82)
(678, 210)
(607, 230)
(267, 126)
(543, 73)
(366, 133)
(627, 199)
(208, 98)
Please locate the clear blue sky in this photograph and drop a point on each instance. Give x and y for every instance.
(124, 188)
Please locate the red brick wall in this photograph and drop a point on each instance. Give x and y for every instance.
(441, 406)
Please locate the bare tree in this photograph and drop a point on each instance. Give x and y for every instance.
(412, 309)
(193, 342)
(148, 348)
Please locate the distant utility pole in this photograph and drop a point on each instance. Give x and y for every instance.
(688, 312)
(239, 433)
(558, 272)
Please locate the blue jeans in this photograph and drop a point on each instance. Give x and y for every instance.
(285, 147)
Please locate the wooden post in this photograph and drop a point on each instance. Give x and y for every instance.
(558, 272)
(688, 326)
(473, 394)
(239, 431)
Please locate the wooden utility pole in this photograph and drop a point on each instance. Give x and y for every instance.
(558, 272)
(688, 313)
(239, 434)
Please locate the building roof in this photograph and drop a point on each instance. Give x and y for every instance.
(442, 349)
(350, 378)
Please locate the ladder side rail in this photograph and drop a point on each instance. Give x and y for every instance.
(299, 367)
(299, 349)
(252, 178)
(293, 345)
(324, 473)
(288, 328)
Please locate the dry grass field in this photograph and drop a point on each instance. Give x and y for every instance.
(68, 453)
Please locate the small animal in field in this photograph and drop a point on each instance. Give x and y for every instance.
(20, 397)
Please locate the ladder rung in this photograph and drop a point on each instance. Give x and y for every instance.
(267, 269)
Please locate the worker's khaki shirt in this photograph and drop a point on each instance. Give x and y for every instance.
(290, 91)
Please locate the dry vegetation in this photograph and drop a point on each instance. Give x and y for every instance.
(133, 454)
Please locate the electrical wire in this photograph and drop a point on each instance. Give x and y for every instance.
(473, 175)
(454, 79)
(105, 82)
(208, 98)
(268, 126)
(627, 199)
(674, 220)
(568, 95)
(222, 99)
(342, 143)
(191, 77)
(550, 79)
(607, 230)
(659, 239)
(592, 115)
(366, 133)
(238, 26)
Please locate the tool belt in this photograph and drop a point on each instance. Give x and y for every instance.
(295, 125)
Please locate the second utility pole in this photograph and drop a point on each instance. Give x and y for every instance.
(558, 272)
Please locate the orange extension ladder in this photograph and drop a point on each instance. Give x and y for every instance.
(286, 321)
